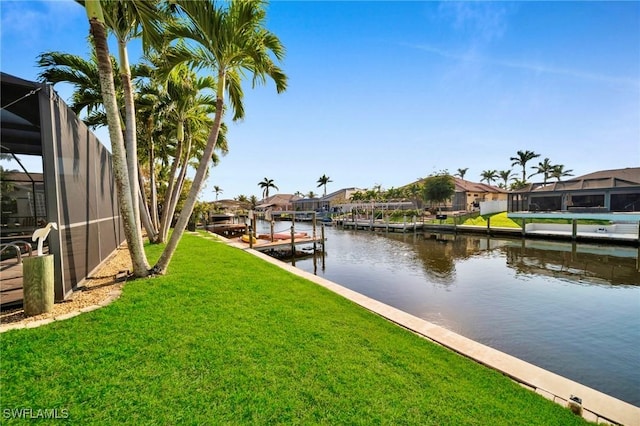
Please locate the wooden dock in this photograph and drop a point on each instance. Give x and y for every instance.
(264, 245)
(381, 226)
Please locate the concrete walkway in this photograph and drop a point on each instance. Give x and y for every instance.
(596, 406)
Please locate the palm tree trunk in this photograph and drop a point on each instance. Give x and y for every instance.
(168, 195)
(152, 179)
(132, 233)
(145, 216)
(131, 145)
(198, 180)
(177, 188)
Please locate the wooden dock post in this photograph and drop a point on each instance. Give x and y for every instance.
(488, 225)
(574, 229)
(314, 233)
(38, 284)
(293, 245)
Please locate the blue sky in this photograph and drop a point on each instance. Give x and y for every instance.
(388, 92)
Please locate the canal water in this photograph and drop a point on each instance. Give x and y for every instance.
(573, 309)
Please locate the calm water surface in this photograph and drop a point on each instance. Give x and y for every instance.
(571, 309)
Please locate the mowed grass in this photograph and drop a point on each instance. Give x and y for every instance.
(226, 338)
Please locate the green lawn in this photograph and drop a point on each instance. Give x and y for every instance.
(226, 338)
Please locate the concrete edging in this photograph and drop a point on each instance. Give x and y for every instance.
(113, 295)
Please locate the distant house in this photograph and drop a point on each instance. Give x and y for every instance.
(228, 206)
(615, 190)
(469, 195)
(327, 202)
(278, 202)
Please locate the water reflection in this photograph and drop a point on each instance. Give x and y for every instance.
(580, 263)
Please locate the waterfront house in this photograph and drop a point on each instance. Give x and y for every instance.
(468, 195)
(325, 203)
(615, 190)
(278, 202)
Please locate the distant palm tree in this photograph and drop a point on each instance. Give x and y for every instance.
(242, 198)
(559, 172)
(217, 190)
(254, 201)
(522, 158)
(323, 181)
(266, 184)
(357, 196)
(461, 173)
(489, 176)
(311, 194)
(543, 168)
(505, 175)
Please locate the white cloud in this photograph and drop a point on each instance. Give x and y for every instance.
(541, 68)
(483, 21)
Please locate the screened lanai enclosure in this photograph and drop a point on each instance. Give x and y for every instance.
(54, 169)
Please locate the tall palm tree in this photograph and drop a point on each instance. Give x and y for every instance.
(229, 40)
(559, 172)
(489, 176)
(98, 31)
(323, 181)
(127, 20)
(522, 158)
(505, 175)
(543, 168)
(462, 172)
(217, 190)
(266, 184)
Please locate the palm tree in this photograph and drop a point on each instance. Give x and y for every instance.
(323, 181)
(461, 173)
(83, 75)
(522, 158)
(489, 176)
(544, 168)
(265, 185)
(505, 175)
(189, 110)
(128, 20)
(132, 232)
(311, 194)
(559, 172)
(253, 200)
(217, 191)
(229, 40)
